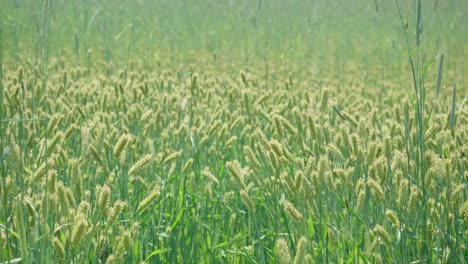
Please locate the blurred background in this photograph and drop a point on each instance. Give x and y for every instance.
(236, 32)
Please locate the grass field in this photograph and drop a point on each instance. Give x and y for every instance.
(233, 131)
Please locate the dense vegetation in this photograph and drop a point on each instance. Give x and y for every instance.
(233, 131)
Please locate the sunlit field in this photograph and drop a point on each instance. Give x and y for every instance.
(233, 131)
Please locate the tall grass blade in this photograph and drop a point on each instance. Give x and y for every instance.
(436, 3)
(409, 49)
(44, 35)
(338, 112)
(77, 45)
(439, 75)
(419, 27)
(92, 19)
(452, 111)
(1, 79)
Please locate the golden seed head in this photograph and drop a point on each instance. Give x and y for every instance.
(393, 218)
(121, 145)
(104, 199)
(58, 248)
(250, 158)
(141, 163)
(384, 235)
(301, 251)
(172, 157)
(62, 198)
(298, 179)
(324, 100)
(312, 128)
(187, 166)
(274, 163)
(276, 147)
(145, 116)
(79, 230)
(206, 172)
(145, 203)
(376, 190)
(236, 171)
(413, 198)
(247, 200)
(282, 248)
(124, 245)
(111, 259)
(322, 168)
(292, 211)
(360, 199)
(279, 127)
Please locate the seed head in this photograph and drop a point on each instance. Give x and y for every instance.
(58, 248)
(292, 211)
(187, 166)
(79, 230)
(282, 248)
(141, 163)
(324, 100)
(172, 157)
(236, 171)
(247, 200)
(301, 251)
(104, 199)
(384, 235)
(393, 218)
(376, 190)
(149, 199)
(121, 145)
(206, 172)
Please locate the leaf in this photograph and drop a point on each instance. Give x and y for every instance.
(398, 241)
(310, 227)
(452, 112)
(117, 37)
(428, 119)
(338, 112)
(6, 150)
(157, 252)
(283, 197)
(15, 260)
(439, 74)
(428, 65)
(11, 231)
(92, 19)
(419, 24)
(220, 245)
(163, 234)
(177, 220)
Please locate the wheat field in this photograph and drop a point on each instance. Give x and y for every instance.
(233, 131)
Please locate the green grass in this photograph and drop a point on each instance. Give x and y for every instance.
(233, 132)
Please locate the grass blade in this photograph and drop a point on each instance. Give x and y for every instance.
(1, 74)
(439, 74)
(92, 19)
(452, 112)
(419, 24)
(12, 261)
